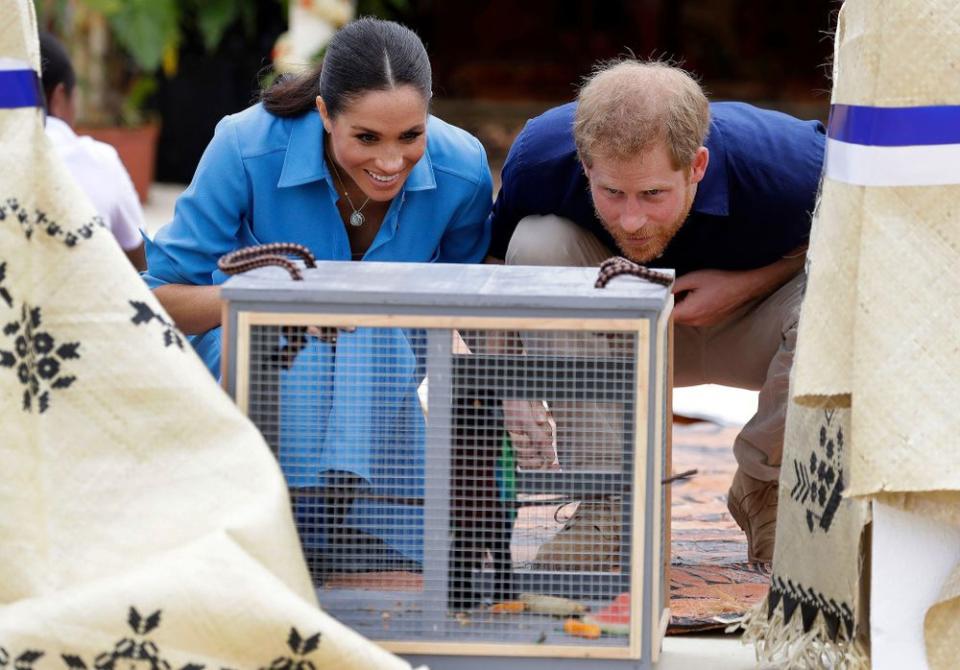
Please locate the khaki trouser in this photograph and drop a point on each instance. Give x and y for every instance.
(752, 349)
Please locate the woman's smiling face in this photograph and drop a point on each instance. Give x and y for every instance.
(377, 139)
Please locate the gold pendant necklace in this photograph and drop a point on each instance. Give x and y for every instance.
(357, 218)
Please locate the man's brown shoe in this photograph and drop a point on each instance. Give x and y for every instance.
(753, 504)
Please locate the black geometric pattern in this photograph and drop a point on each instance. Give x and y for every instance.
(810, 603)
(4, 293)
(24, 661)
(138, 651)
(40, 362)
(134, 651)
(301, 647)
(819, 479)
(145, 314)
(37, 220)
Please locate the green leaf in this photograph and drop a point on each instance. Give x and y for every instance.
(213, 19)
(144, 28)
(136, 99)
(384, 9)
(55, 12)
(248, 15)
(105, 7)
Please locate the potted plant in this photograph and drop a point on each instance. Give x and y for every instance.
(118, 48)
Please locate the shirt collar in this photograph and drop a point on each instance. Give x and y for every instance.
(713, 196)
(59, 128)
(303, 162)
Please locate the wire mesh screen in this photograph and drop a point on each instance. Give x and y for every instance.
(458, 485)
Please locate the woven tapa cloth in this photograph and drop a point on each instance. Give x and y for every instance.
(880, 318)
(815, 613)
(877, 336)
(143, 520)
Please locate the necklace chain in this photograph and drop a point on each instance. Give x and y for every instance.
(357, 218)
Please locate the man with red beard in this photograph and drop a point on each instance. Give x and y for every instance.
(641, 165)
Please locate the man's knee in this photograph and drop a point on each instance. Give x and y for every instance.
(748, 349)
(554, 240)
(791, 296)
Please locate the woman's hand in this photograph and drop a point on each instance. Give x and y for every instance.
(194, 309)
(328, 334)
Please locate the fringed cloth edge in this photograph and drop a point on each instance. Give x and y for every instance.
(783, 643)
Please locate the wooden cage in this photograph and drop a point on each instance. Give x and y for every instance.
(436, 423)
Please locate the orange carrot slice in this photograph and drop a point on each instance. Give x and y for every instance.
(508, 607)
(578, 628)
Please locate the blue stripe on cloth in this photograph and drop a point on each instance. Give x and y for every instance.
(895, 126)
(19, 88)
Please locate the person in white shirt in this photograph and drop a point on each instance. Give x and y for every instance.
(94, 165)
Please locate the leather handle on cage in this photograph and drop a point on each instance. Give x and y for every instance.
(263, 255)
(618, 265)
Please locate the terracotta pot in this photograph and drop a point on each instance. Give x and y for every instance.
(137, 148)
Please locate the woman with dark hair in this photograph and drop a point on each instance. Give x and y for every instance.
(347, 161)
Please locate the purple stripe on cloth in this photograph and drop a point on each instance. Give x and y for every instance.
(19, 88)
(895, 126)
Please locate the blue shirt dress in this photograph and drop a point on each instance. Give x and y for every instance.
(353, 407)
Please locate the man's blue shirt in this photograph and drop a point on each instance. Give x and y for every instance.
(753, 205)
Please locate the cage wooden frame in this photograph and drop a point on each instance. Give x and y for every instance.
(649, 322)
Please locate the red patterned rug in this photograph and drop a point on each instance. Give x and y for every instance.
(711, 584)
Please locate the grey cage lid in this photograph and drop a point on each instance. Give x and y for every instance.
(441, 284)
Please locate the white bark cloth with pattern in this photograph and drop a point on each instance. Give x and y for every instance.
(143, 520)
(877, 352)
